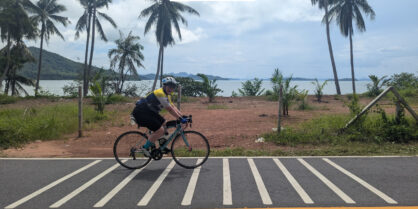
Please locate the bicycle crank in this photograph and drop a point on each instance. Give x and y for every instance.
(156, 154)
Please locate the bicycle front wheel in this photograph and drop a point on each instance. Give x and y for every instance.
(189, 147)
(128, 152)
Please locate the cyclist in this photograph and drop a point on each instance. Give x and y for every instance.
(146, 112)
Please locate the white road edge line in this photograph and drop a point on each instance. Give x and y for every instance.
(188, 196)
(305, 197)
(84, 186)
(232, 157)
(260, 185)
(49, 186)
(362, 182)
(147, 197)
(115, 190)
(227, 191)
(327, 182)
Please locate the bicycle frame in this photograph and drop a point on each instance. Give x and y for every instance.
(178, 130)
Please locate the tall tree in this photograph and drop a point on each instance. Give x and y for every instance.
(324, 4)
(88, 20)
(126, 54)
(164, 14)
(84, 23)
(345, 12)
(20, 54)
(97, 4)
(14, 26)
(46, 14)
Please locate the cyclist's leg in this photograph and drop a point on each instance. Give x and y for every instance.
(157, 126)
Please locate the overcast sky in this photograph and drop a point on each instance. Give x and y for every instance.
(247, 39)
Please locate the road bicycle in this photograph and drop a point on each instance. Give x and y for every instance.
(186, 147)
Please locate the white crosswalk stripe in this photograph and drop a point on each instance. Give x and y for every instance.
(260, 184)
(188, 196)
(115, 190)
(147, 197)
(83, 187)
(327, 182)
(305, 197)
(49, 186)
(362, 182)
(227, 191)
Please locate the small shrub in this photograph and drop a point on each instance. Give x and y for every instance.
(375, 88)
(318, 89)
(209, 87)
(116, 98)
(71, 90)
(251, 88)
(302, 98)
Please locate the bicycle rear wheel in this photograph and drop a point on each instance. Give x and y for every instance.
(188, 147)
(128, 147)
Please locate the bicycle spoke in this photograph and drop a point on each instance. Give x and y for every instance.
(128, 147)
(189, 146)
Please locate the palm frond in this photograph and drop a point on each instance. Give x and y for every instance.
(108, 18)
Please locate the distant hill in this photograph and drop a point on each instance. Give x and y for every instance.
(54, 67)
(57, 67)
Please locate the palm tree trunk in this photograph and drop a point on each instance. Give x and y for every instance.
(6, 87)
(93, 34)
(331, 54)
(40, 60)
(13, 82)
(85, 84)
(162, 64)
(6, 70)
(352, 64)
(158, 68)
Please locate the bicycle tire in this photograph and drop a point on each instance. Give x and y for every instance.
(123, 146)
(181, 152)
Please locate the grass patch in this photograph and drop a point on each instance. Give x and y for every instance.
(19, 126)
(4, 99)
(217, 107)
(348, 149)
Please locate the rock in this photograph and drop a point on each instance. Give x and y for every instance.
(261, 139)
(275, 129)
(38, 141)
(263, 115)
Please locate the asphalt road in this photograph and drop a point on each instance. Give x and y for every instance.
(219, 183)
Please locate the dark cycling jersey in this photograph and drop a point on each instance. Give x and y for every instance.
(156, 100)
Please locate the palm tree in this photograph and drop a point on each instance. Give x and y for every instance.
(324, 4)
(128, 53)
(14, 26)
(164, 14)
(45, 13)
(345, 11)
(20, 55)
(85, 22)
(97, 4)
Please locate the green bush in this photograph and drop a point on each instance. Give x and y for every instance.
(375, 88)
(319, 89)
(404, 81)
(251, 88)
(326, 131)
(19, 126)
(117, 98)
(209, 87)
(190, 87)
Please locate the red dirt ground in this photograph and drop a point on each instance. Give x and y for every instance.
(237, 122)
